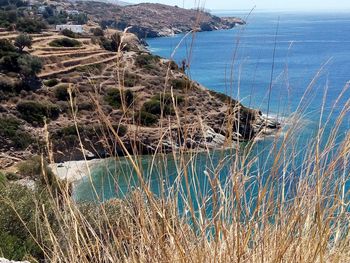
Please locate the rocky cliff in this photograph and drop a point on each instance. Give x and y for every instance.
(155, 20)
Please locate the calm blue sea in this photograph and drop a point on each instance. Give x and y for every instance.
(267, 64)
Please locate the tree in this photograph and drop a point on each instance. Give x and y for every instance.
(30, 25)
(29, 65)
(98, 32)
(111, 44)
(22, 41)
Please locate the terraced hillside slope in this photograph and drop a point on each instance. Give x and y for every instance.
(102, 93)
(128, 96)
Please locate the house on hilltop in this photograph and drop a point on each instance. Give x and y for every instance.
(73, 28)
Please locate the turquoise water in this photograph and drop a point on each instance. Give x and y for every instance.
(241, 62)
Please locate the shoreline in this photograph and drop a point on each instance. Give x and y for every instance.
(73, 171)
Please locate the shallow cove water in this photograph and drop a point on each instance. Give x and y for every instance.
(240, 62)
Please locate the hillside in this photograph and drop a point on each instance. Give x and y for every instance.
(146, 101)
(154, 20)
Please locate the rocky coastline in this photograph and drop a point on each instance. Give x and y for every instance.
(148, 20)
(202, 119)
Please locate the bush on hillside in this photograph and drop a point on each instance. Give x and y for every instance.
(35, 112)
(111, 44)
(29, 25)
(181, 83)
(114, 97)
(34, 167)
(60, 18)
(146, 118)
(22, 41)
(9, 56)
(97, 32)
(161, 103)
(68, 33)
(65, 42)
(61, 92)
(147, 60)
(79, 19)
(167, 99)
(13, 135)
(51, 82)
(8, 84)
(3, 181)
(12, 60)
(29, 65)
(130, 79)
(24, 211)
(16, 241)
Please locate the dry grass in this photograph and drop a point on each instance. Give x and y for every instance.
(269, 208)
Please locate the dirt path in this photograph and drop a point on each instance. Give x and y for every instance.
(67, 69)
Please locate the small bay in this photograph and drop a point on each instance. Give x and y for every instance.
(291, 49)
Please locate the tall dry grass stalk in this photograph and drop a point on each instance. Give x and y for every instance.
(272, 209)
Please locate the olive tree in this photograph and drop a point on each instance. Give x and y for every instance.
(22, 41)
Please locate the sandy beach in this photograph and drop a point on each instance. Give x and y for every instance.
(73, 171)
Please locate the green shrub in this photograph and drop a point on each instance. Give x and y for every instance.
(173, 65)
(16, 241)
(68, 33)
(223, 97)
(120, 129)
(86, 105)
(7, 84)
(146, 119)
(114, 98)
(167, 98)
(161, 102)
(65, 42)
(13, 60)
(12, 134)
(61, 92)
(22, 41)
(22, 213)
(79, 19)
(111, 44)
(60, 18)
(34, 168)
(91, 69)
(30, 25)
(35, 112)
(29, 65)
(97, 32)
(181, 84)
(154, 107)
(51, 82)
(3, 180)
(147, 61)
(130, 79)
(11, 176)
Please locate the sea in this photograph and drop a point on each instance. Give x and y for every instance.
(285, 64)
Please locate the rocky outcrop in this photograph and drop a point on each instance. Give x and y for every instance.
(156, 20)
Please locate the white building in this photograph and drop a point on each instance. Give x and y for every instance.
(73, 28)
(72, 12)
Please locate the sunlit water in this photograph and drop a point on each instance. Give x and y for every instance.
(289, 49)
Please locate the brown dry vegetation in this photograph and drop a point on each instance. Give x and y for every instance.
(248, 217)
(91, 72)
